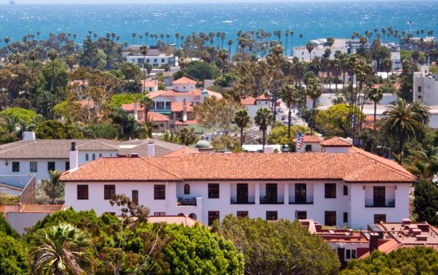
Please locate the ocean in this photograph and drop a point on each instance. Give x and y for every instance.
(313, 20)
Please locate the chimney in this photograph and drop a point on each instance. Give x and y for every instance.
(136, 109)
(374, 241)
(74, 157)
(151, 148)
(184, 110)
(28, 135)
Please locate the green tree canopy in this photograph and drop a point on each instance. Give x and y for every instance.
(418, 260)
(283, 247)
(335, 121)
(52, 129)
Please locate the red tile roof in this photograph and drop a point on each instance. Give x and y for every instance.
(350, 167)
(154, 116)
(310, 139)
(178, 107)
(182, 152)
(149, 83)
(336, 142)
(195, 94)
(184, 80)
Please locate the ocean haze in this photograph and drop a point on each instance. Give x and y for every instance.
(312, 19)
(174, 1)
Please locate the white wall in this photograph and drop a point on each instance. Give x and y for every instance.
(353, 203)
(20, 220)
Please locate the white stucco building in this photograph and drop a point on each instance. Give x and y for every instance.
(320, 45)
(425, 87)
(36, 157)
(154, 57)
(343, 186)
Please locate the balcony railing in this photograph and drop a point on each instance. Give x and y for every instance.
(271, 200)
(186, 201)
(374, 203)
(300, 200)
(240, 200)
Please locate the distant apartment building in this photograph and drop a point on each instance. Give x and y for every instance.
(425, 87)
(154, 57)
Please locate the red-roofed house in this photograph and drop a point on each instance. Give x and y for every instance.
(252, 104)
(183, 89)
(345, 187)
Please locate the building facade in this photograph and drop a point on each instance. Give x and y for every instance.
(346, 187)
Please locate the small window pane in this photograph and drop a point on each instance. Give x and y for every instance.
(33, 166)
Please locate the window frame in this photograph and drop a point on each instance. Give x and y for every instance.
(159, 192)
(50, 164)
(242, 214)
(213, 191)
(15, 166)
(328, 216)
(186, 189)
(345, 190)
(212, 216)
(134, 196)
(272, 215)
(299, 213)
(379, 218)
(82, 191)
(330, 190)
(35, 170)
(108, 191)
(345, 217)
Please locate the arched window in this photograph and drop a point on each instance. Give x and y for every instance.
(193, 216)
(186, 189)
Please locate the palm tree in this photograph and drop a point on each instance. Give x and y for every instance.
(144, 51)
(400, 122)
(61, 249)
(289, 94)
(52, 54)
(52, 186)
(146, 102)
(310, 47)
(301, 39)
(205, 56)
(376, 94)
(242, 119)
(33, 56)
(230, 42)
(187, 136)
(133, 38)
(314, 92)
(387, 67)
(263, 119)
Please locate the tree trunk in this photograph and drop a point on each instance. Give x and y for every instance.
(288, 123)
(375, 110)
(241, 137)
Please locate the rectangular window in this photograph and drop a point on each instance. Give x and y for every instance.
(162, 60)
(242, 214)
(147, 60)
(379, 196)
(82, 192)
(308, 148)
(67, 165)
(345, 190)
(213, 190)
(330, 218)
(86, 157)
(15, 166)
(330, 190)
(301, 215)
(168, 105)
(350, 254)
(33, 166)
(109, 191)
(160, 105)
(345, 217)
(159, 213)
(379, 218)
(135, 196)
(100, 155)
(93, 156)
(212, 216)
(51, 166)
(159, 192)
(271, 215)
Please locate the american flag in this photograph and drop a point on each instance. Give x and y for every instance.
(300, 141)
(409, 23)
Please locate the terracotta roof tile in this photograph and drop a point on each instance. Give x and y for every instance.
(310, 139)
(248, 101)
(184, 80)
(154, 116)
(119, 169)
(178, 107)
(352, 167)
(336, 142)
(182, 152)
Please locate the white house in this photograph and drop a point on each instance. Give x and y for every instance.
(320, 45)
(38, 156)
(154, 57)
(343, 186)
(183, 89)
(425, 87)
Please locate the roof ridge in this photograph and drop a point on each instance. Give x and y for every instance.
(161, 168)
